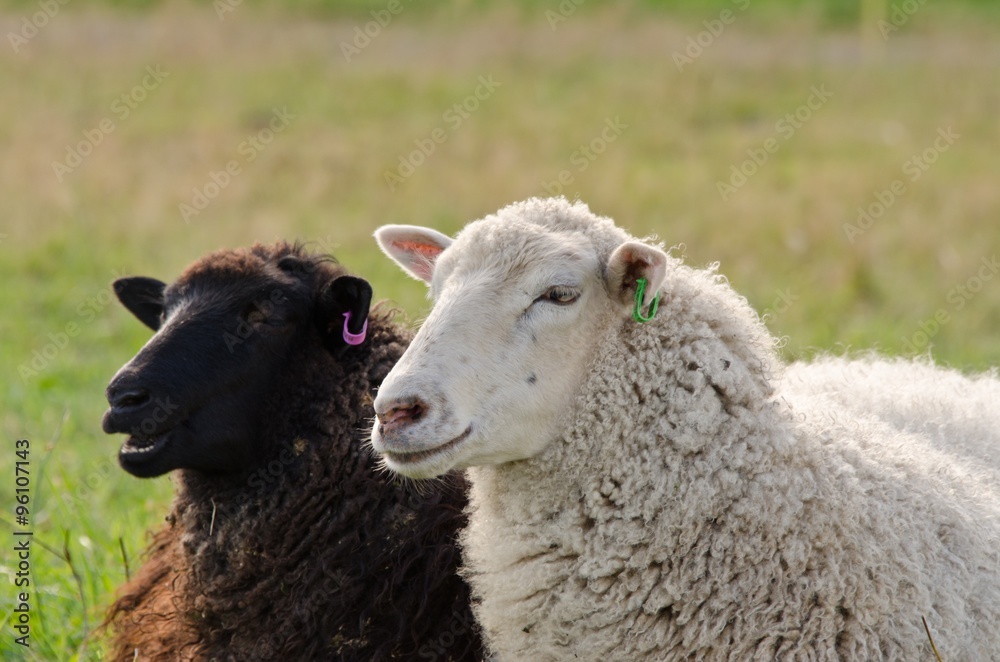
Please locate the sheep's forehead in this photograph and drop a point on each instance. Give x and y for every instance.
(220, 288)
(532, 232)
(215, 290)
(515, 255)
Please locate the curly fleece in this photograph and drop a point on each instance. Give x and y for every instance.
(327, 560)
(701, 505)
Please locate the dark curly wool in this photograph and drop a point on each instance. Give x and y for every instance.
(314, 554)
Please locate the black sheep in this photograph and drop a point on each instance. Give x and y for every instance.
(284, 541)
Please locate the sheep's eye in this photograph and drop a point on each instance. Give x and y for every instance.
(252, 314)
(261, 312)
(561, 295)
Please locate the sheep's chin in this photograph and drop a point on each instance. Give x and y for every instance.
(427, 463)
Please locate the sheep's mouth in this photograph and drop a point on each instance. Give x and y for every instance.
(141, 450)
(417, 457)
(137, 445)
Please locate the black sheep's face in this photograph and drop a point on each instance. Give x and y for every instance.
(192, 397)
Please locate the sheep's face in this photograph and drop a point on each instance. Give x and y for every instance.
(518, 314)
(192, 397)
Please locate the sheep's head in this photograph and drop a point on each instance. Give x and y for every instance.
(191, 398)
(521, 299)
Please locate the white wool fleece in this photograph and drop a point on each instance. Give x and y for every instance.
(701, 505)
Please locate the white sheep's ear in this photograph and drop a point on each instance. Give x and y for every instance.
(630, 262)
(413, 248)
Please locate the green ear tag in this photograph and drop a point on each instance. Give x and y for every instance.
(640, 291)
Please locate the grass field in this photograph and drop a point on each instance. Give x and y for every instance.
(137, 140)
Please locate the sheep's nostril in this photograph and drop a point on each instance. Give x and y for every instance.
(401, 416)
(129, 399)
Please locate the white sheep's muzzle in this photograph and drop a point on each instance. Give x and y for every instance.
(416, 434)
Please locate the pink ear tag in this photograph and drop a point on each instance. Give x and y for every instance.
(354, 338)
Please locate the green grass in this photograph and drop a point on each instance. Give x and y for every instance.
(779, 238)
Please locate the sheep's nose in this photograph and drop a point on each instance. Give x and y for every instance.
(397, 415)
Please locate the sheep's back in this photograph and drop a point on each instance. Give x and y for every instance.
(912, 454)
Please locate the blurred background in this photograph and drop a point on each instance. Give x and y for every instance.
(838, 158)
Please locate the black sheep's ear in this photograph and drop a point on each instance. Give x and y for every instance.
(143, 297)
(343, 311)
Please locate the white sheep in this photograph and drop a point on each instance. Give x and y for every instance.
(667, 490)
